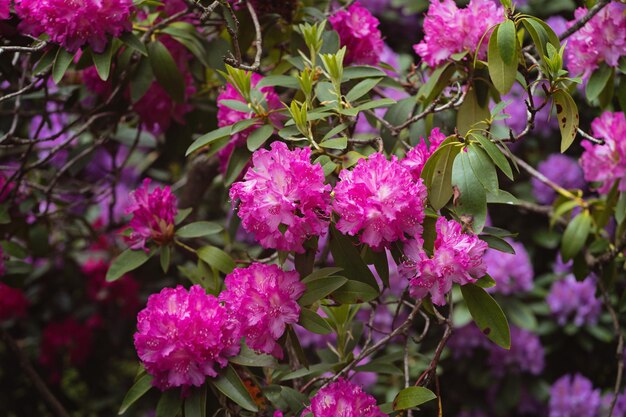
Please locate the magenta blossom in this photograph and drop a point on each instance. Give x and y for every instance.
(449, 30)
(74, 23)
(283, 198)
(606, 163)
(5, 9)
(416, 158)
(153, 216)
(457, 258)
(184, 336)
(264, 300)
(343, 399)
(381, 200)
(13, 302)
(358, 32)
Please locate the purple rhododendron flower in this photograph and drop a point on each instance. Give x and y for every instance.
(153, 215)
(184, 336)
(574, 396)
(560, 169)
(606, 163)
(513, 273)
(74, 23)
(575, 301)
(264, 300)
(358, 32)
(283, 190)
(343, 399)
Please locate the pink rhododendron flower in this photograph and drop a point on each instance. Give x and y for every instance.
(74, 23)
(380, 199)
(602, 39)
(67, 338)
(358, 32)
(283, 198)
(343, 399)
(416, 158)
(5, 9)
(122, 293)
(449, 30)
(13, 302)
(264, 300)
(606, 163)
(184, 336)
(227, 116)
(457, 258)
(153, 216)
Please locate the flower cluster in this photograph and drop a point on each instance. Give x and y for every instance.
(5, 9)
(263, 300)
(343, 399)
(13, 302)
(153, 216)
(606, 163)
(574, 396)
(61, 338)
(122, 293)
(74, 23)
(416, 158)
(358, 32)
(283, 198)
(457, 257)
(513, 273)
(184, 336)
(379, 198)
(599, 40)
(561, 170)
(574, 300)
(449, 30)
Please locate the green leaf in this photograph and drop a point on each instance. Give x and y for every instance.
(216, 258)
(248, 357)
(208, 138)
(313, 322)
(437, 81)
(483, 168)
(139, 388)
(362, 88)
(411, 397)
(46, 60)
(355, 72)
(335, 143)
(495, 154)
(507, 42)
(166, 71)
(437, 174)
(237, 162)
(125, 262)
(320, 273)
(141, 80)
(131, 40)
(487, 314)
(182, 215)
(198, 229)
(279, 81)
(169, 404)
(501, 72)
(497, 243)
(486, 282)
(598, 80)
(521, 314)
(541, 34)
(501, 197)
(620, 208)
(257, 138)
(195, 404)
(355, 292)
(347, 257)
(575, 236)
(471, 115)
(102, 62)
(62, 62)
(166, 254)
(472, 197)
(567, 116)
(319, 288)
(231, 386)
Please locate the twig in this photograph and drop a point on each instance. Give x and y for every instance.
(580, 23)
(258, 43)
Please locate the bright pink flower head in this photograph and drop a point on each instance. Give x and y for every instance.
(74, 23)
(184, 336)
(5, 9)
(416, 158)
(283, 198)
(457, 258)
(153, 215)
(13, 302)
(358, 32)
(606, 163)
(122, 293)
(381, 199)
(602, 39)
(343, 399)
(264, 300)
(449, 30)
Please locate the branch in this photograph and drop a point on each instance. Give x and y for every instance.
(580, 23)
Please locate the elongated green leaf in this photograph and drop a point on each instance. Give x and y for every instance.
(496, 155)
(169, 404)
(279, 81)
(411, 397)
(472, 197)
(199, 229)
(126, 262)
(130, 39)
(575, 236)
(231, 386)
(471, 115)
(507, 42)
(597, 81)
(483, 167)
(166, 71)
(166, 254)
(248, 357)
(362, 88)
(487, 315)
(335, 143)
(436, 83)
(486, 282)
(521, 314)
(321, 273)
(102, 62)
(541, 34)
(141, 80)
(217, 258)
(567, 116)
(208, 138)
(257, 138)
(319, 288)
(497, 243)
(195, 404)
(347, 257)
(62, 62)
(355, 292)
(237, 162)
(135, 392)
(313, 322)
(437, 174)
(356, 72)
(501, 72)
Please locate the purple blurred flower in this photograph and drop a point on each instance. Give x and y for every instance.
(575, 301)
(526, 354)
(574, 396)
(513, 273)
(563, 171)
